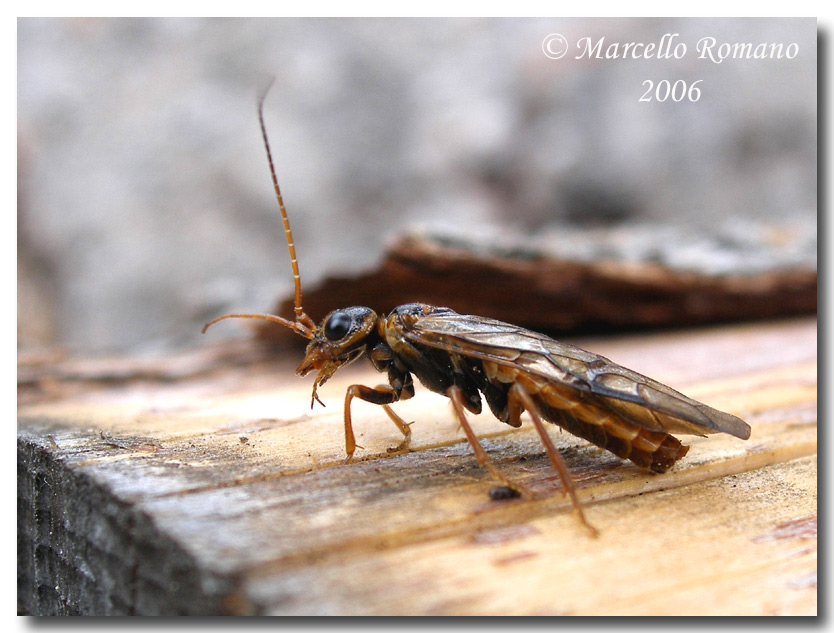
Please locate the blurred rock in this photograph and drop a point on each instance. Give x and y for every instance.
(572, 281)
(145, 194)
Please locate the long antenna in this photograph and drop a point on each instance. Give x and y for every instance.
(303, 324)
(300, 316)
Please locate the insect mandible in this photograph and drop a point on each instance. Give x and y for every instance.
(467, 358)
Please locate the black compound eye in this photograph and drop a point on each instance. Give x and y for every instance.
(337, 326)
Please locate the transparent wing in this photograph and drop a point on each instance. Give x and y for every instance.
(645, 402)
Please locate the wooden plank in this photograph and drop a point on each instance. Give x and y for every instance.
(223, 492)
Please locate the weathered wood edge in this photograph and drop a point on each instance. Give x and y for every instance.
(84, 551)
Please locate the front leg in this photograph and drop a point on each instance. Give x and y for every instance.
(383, 395)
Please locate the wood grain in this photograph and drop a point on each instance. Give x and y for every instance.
(222, 492)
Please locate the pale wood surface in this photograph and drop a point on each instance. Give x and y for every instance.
(221, 491)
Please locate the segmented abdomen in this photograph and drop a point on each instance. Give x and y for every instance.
(654, 450)
(584, 414)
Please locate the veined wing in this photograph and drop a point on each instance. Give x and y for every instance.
(640, 399)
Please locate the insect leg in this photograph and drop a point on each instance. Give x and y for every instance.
(455, 394)
(403, 426)
(518, 400)
(383, 395)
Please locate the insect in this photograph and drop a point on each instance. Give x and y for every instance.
(470, 358)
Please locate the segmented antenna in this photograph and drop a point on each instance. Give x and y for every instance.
(303, 324)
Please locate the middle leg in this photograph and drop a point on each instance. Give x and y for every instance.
(455, 394)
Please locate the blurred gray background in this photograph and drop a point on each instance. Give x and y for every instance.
(145, 205)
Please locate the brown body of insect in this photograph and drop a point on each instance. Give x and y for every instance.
(467, 358)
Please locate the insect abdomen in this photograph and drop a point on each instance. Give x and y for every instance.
(654, 450)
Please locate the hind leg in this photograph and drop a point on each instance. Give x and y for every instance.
(519, 400)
